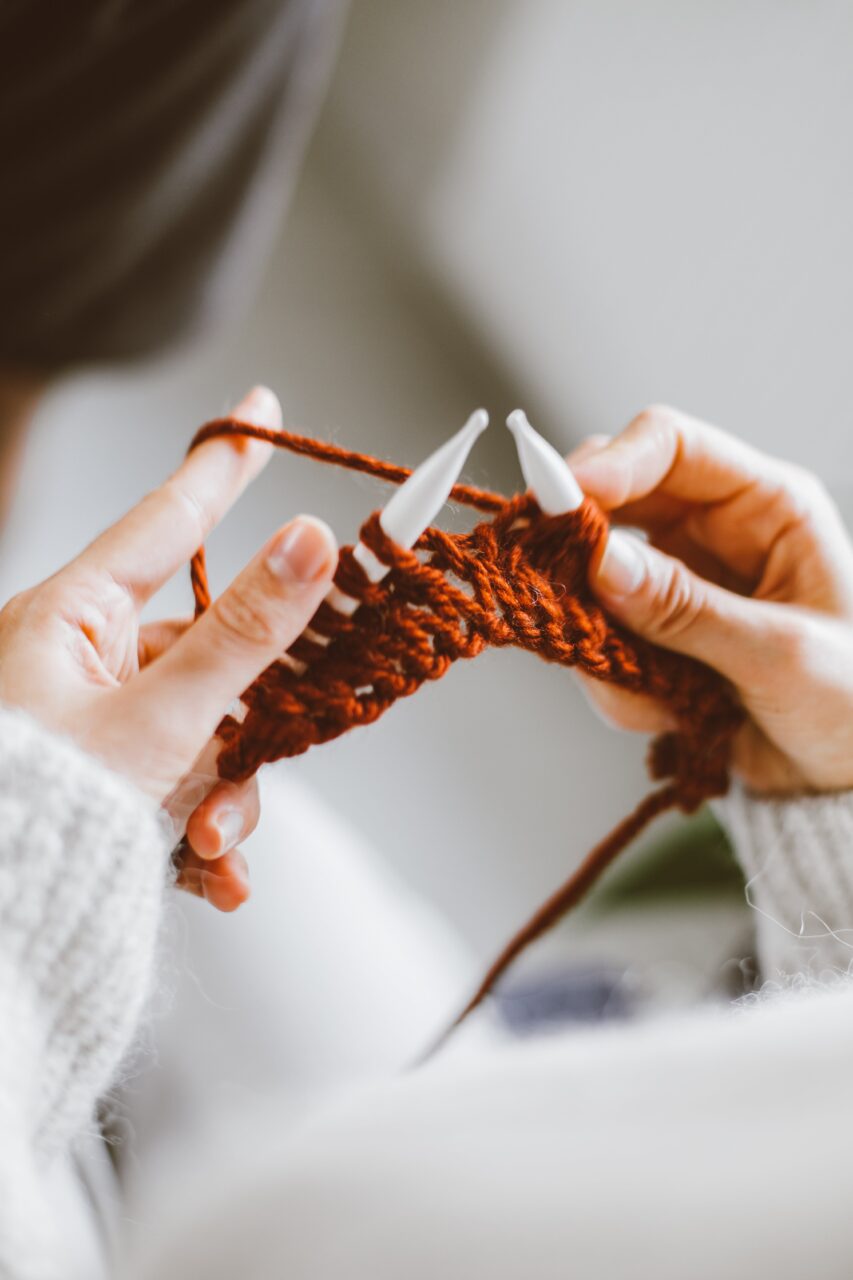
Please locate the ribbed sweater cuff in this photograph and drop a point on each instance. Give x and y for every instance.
(82, 871)
(797, 855)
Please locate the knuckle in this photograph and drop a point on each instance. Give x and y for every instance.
(659, 420)
(802, 507)
(676, 602)
(805, 490)
(15, 608)
(665, 433)
(593, 443)
(25, 607)
(241, 616)
(182, 498)
(654, 414)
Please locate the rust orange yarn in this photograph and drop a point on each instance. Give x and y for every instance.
(517, 578)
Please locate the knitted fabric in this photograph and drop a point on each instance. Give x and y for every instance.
(797, 857)
(518, 578)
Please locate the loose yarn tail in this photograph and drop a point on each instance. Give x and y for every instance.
(563, 900)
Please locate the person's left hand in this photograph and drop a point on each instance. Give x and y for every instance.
(147, 699)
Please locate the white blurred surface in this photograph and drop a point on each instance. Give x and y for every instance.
(712, 1145)
(333, 974)
(628, 202)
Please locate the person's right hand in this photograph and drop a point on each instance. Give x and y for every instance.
(748, 568)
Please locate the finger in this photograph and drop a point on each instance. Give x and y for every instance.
(586, 448)
(658, 597)
(156, 637)
(714, 543)
(675, 542)
(664, 449)
(657, 511)
(739, 503)
(198, 782)
(260, 615)
(167, 527)
(224, 883)
(228, 815)
(621, 709)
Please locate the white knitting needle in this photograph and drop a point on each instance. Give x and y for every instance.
(413, 507)
(410, 510)
(547, 474)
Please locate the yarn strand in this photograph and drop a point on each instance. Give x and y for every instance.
(562, 901)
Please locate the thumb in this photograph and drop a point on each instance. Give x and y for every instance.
(661, 599)
(190, 686)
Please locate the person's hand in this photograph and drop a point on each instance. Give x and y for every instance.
(146, 700)
(749, 568)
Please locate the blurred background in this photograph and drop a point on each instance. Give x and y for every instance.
(577, 207)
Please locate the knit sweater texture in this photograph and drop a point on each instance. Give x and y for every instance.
(83, 858)
(797, 856)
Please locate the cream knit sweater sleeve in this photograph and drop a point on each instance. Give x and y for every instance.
(797, 855)
(82, 871)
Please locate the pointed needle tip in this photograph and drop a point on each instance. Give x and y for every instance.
(517, 421)
(549, 477)
(420, 498)
(478, 422)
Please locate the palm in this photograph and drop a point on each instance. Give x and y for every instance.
(104, 632)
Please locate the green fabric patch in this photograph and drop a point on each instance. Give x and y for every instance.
(692, 859)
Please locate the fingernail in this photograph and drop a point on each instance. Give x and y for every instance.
(261, 406)
(622, 567)
(229, 824)
(303, 552)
